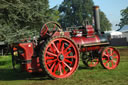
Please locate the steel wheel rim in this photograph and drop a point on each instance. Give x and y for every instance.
(110, 58)
(58, 59)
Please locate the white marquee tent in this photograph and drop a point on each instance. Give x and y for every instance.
(115, 34)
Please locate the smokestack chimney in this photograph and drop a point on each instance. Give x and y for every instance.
(97, 19)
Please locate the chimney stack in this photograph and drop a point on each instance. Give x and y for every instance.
(97, 19)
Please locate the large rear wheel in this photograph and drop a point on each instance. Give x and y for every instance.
(59, 57)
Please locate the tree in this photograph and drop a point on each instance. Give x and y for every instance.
(124, 19)
(104, 22)
(23, 18)
(74, 12)
(54, 14)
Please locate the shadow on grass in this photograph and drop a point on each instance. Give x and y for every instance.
(88, 68)
(83, 67)
(10, 75)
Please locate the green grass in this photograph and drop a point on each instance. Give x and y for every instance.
(83, 76)
(121, 47)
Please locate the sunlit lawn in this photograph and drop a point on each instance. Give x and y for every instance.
(83, 76)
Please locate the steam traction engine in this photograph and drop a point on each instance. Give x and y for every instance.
(57, 52)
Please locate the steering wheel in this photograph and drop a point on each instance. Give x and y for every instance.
(50, 28)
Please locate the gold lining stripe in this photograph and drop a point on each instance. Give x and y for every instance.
(96, 44)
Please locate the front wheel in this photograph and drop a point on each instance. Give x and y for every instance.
(59, 57)
(109, 58)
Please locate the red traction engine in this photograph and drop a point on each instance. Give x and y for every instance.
(57, 52)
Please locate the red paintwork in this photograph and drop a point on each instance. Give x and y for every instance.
(79, 39)
(44, 30)
(90, 30)
(35, 65)
(56, 34)
(86, 40)
(67, 34)
(60, 57)
(92, 48)
(28, 48)
(93, 62)
(77, 32)
(87, 30)
(58, 61)
(110, 58)
(32, 66)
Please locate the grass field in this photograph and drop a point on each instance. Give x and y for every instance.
(83, 76)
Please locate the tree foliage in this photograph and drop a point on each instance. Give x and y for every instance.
(75, 12)
(23, 18)
(124, 19)
(104, 22)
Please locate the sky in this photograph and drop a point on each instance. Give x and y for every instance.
(111, 8)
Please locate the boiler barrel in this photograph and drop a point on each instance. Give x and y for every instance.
(91, 40)
(86, 40)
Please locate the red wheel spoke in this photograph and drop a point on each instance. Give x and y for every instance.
(52, 54)
(51, 61)
(55, 47)
(54, 27)
(115, 57)
(111, 51)
(46, 26)
(59, 45)
(94, 62)
(91, 64)
(44, 29)
(68, 53)
(112, 58)
(57, 63)
(56, 67)
(112, 63)
(60, 69)
(62, 48)
(52, 66)
(63, 67)
(67, 48)
(70, 57)
(105, 54)
(114, 53)
(103, 58)
(97, 60)
(108, 65)
(68, 61)
(106, 62)
(70, 68)
(52, 49)
(48, 58)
